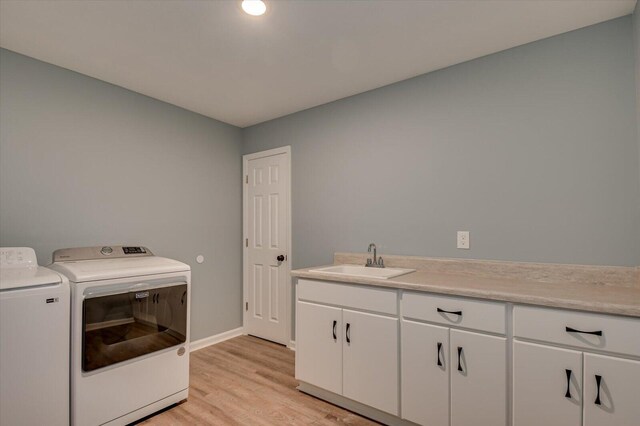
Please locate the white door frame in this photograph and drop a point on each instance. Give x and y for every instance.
(245, 231)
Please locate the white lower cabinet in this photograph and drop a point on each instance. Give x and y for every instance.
(574, 387)
(319, 345)
(370, 360)
(547, 385)
(444, 361)
(611, 391)
(551, 387)
(351, 353)
(425, 373)
(452, 377)
(478, 379)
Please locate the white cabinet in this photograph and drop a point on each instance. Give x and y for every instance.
(443, 362)
(547, 385)
(319, 345)
(425, 373)
(556, 386)
(585, 330)
(478, 379)
(481, 315)
(449, 376)
(549, 388)
(350, 353)
(611, 391)
(370, 360)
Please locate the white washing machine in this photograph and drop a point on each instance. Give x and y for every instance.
(129, 332)
(34, 341)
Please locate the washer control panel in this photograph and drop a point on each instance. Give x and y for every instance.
(100, 252)
(18, 257)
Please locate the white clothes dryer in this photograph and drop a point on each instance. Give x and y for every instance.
(129, 332)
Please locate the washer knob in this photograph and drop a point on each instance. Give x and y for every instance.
(106, 251)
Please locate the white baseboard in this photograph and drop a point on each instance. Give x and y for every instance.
(217, 338)
(292, 345)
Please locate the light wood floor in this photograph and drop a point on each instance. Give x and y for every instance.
(249, 381)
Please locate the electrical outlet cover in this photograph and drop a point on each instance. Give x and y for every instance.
(463, 240)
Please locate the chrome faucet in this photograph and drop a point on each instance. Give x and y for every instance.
(376, 262)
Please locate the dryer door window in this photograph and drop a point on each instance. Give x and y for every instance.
(123, 326)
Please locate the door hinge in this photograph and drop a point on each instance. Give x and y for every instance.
(246, 179)
(246, 306)
(246, 242)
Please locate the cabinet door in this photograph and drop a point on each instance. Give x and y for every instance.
(547, 386)
(425, 370)
(618, 387)
(478, 379)
(370, 360)
(318, 353)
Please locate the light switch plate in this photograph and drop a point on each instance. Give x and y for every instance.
(463, 240)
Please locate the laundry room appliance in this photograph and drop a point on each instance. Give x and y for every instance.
(129, 332)
(34, 341)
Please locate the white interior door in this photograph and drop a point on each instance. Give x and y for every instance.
(267, 233)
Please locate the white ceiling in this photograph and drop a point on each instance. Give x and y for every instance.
(211, 58)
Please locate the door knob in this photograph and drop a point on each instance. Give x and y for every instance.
(280, 258)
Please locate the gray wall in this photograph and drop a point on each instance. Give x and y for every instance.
(636, 41)
(83, 162)
(533, 150)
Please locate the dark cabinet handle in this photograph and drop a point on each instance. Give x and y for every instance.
(568, 393)
(280, 258)
(598, 381)
(335, 323)
(459, 359)
(442, 311)
(348, 333)
(439, 350)
(573, 330)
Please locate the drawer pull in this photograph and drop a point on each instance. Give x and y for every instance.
(598, 381)
(568, 393)
(459, 359)
(335, 323)
(348, 333)
(442, 311)
(573, 330)
(439, 350)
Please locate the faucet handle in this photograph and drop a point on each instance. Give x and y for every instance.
(369, 261)
(380, 262)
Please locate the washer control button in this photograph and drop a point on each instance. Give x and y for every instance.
(106, 251)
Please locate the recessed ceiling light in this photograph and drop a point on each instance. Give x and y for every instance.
(254, 7)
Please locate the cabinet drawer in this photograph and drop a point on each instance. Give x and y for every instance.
(455, 311)
(383, 300)
(608, 332)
